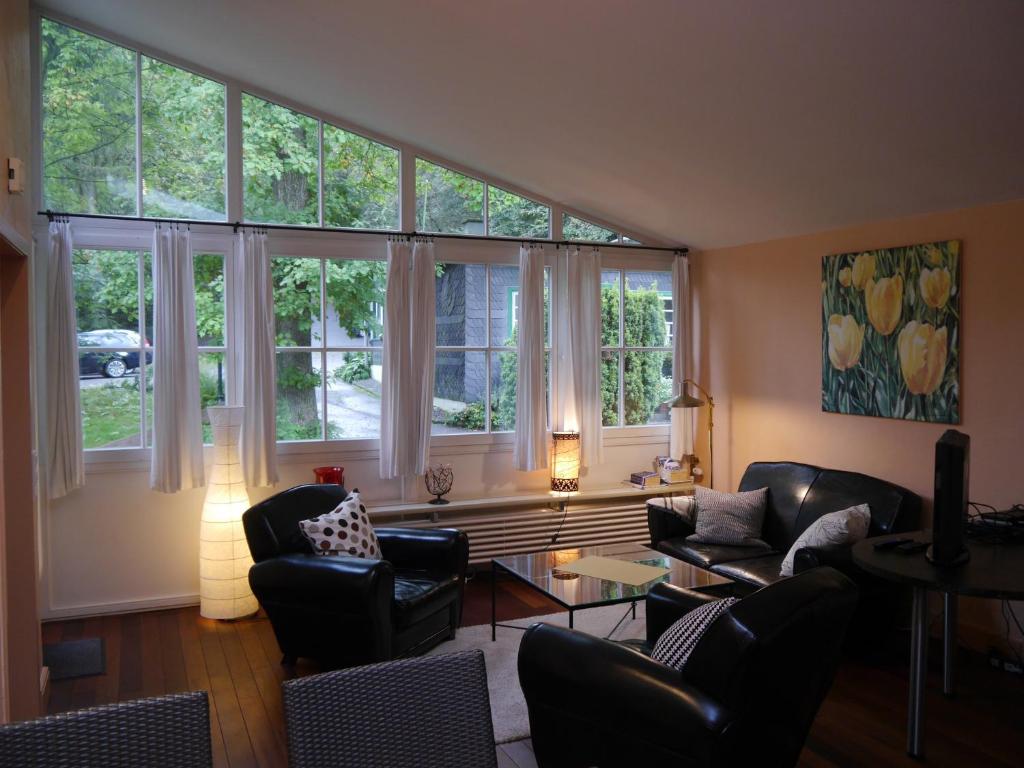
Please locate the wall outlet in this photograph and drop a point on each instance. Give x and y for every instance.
(15, 176)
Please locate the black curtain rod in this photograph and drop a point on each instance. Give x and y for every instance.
(236, 225)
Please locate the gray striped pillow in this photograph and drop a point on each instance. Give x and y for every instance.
(730, 518)
(678, 641)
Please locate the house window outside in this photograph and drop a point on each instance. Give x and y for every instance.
(636, 355)
(329, 347)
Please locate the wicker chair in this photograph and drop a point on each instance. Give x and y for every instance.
(161, 732)
(426, 712)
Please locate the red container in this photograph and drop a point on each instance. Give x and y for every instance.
(330, 475)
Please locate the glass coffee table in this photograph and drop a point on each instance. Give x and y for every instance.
(540, 571)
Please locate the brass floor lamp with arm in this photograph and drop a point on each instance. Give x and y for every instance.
(686, 400)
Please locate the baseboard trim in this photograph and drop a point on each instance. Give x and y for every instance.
(126, 606)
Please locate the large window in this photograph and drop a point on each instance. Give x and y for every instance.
(448, 201)
(475, 376)
(513, 215)
(210, 328)
(329, 315)
(90, 116)
(636, 356)
(578, 229)
(360, 181)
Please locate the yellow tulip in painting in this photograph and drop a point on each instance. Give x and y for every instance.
(884, 301)
(845, 341)
(922, 356)
(935, 285)
(890, 332)
(863, 270)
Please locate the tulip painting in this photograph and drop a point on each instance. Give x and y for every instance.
(890, 341)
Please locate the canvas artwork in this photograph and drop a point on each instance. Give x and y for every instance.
(890, 341)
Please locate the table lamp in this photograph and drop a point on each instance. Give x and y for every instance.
(565, 462)
(686, 400)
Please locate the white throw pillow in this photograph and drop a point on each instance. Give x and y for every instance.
(732, 519)
(847, 526)
(678, 641)
(346, 530)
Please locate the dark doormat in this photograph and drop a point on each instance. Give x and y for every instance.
(75, 658)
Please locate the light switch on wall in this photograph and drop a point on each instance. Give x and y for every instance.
(15, 175)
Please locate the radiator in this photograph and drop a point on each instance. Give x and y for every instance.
(495, 534)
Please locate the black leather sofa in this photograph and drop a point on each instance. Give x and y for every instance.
(798, 494)
(343, 611)
(746, 697)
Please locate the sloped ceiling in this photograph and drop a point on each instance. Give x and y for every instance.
(705, 122)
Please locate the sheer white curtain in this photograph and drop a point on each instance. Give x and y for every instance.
(176, 462)
(530, 448)
(65, 461)
(583, 303)
(407, 387)
(683, 419)
(257, 370)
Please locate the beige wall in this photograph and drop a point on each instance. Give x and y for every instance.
(15, 122)
(760, 313)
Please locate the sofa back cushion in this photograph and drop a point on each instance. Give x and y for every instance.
(272, 526)
(787, 485)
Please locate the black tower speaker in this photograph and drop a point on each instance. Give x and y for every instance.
(952, 469)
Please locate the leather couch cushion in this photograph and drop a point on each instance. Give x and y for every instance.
(421, 593)
(706, 555)
(760, 571)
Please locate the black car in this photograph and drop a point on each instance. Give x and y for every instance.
(112, 363)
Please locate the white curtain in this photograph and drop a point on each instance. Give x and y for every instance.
(583, 300)
(258, 372)
(176, 462)
(66, 464)
(683, 419)
(407, 387)
(530, 448)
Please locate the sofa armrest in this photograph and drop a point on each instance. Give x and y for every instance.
(665, 524)
(839, 557)
(444, 550)
(317, 579)
(609, 686)
(666, 603)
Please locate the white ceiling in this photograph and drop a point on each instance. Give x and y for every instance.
(694, 121)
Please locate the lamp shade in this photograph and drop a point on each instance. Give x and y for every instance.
(565, 462)
(224, 558)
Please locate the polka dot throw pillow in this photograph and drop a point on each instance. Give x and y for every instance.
(346, 530)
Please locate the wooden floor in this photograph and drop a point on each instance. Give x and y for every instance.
(862, 722)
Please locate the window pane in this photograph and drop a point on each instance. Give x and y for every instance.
(578, 229)
(209, 278)
(355, 303)
(447, 201)
(460, 389)
(106, 296)
(630, 241)
(460, 293)
(212, 385)
(297, 301)
(88, 110)
(298, 396)
(111, 413)
(183, 136)
(360, 181)
(515, 216)
(610, 388)
(646, 296)
(504, 377)
(647, 382)
(504, 305)
(281, 162)
(610, 308)
(353, 395)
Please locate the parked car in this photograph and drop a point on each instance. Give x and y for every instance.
(112, 363)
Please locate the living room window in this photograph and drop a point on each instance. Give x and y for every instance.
(208, 269)
(636, 355)
(574, 228)
(512, 215)
(448, 201)
(360, 181)
(475, 377)
(329, 347)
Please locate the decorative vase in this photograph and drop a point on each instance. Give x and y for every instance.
(224, 558)
(438, 479)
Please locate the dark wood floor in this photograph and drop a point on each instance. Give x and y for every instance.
(861, 723)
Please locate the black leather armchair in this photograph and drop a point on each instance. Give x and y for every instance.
(343, 611)
(747, 696)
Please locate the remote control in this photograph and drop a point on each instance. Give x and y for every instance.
(912, 547)
(892, 543)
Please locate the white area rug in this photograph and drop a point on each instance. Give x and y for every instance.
(508, 707)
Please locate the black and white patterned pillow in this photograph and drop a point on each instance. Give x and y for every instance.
(678, 641)
(730, 518)
(346, 530)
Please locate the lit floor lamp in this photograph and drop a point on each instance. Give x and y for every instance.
(686, 400)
